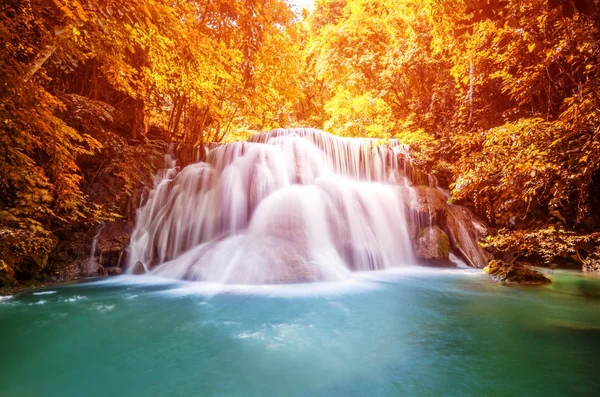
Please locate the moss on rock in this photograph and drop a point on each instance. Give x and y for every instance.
(24, 253)
(515, 274)
(432, 246)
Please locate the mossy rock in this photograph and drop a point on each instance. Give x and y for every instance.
(7, 274)
(515, 274)
(24, 253)
(432, 246)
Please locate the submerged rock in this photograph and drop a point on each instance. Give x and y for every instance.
(139, 268)
(512, 273)
(432, 246)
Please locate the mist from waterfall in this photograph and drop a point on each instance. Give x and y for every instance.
(289, 205)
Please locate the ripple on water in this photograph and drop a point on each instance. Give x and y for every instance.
(103, 308)
(260, 334)
(74, 298)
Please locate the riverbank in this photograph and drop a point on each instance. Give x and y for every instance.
(35, 285)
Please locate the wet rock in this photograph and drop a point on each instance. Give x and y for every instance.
(465, 231)
(139, 268)
(73, 271)
(432, 246)
(71, 260)
(415, 175)
(289, 266)
(82, 268)
(515, 274)
(113, 271)
(427, 205)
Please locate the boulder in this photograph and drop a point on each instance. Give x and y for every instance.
(432, 246)
(139, 268)
(515, 274)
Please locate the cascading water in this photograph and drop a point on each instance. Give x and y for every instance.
(287, 206)
(90, 264)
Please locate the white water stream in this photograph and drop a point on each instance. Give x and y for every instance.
(288, 206)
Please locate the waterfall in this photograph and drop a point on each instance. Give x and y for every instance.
(91, 265)
(289, 205)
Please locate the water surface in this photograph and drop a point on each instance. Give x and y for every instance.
(407, 332)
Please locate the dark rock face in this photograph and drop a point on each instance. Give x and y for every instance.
(73, 258)
(515, 274)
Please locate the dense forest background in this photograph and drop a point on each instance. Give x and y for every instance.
(500, 100)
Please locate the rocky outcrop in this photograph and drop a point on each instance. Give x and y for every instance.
(515, 274)
(427, 206)
(465, 231)
(440, 228)
(78, 256)
(432, 246)
(23, 254)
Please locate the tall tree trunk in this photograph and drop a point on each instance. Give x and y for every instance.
(178, 116)
(137, 124)
(470, 96)
(46, 53)
(39, 61)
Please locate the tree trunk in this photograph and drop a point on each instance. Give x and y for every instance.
(178, 116)
(46, 53)
(39, 61)
(137, 124)
(470, 96)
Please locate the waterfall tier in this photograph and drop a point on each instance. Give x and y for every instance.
(293, 205)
